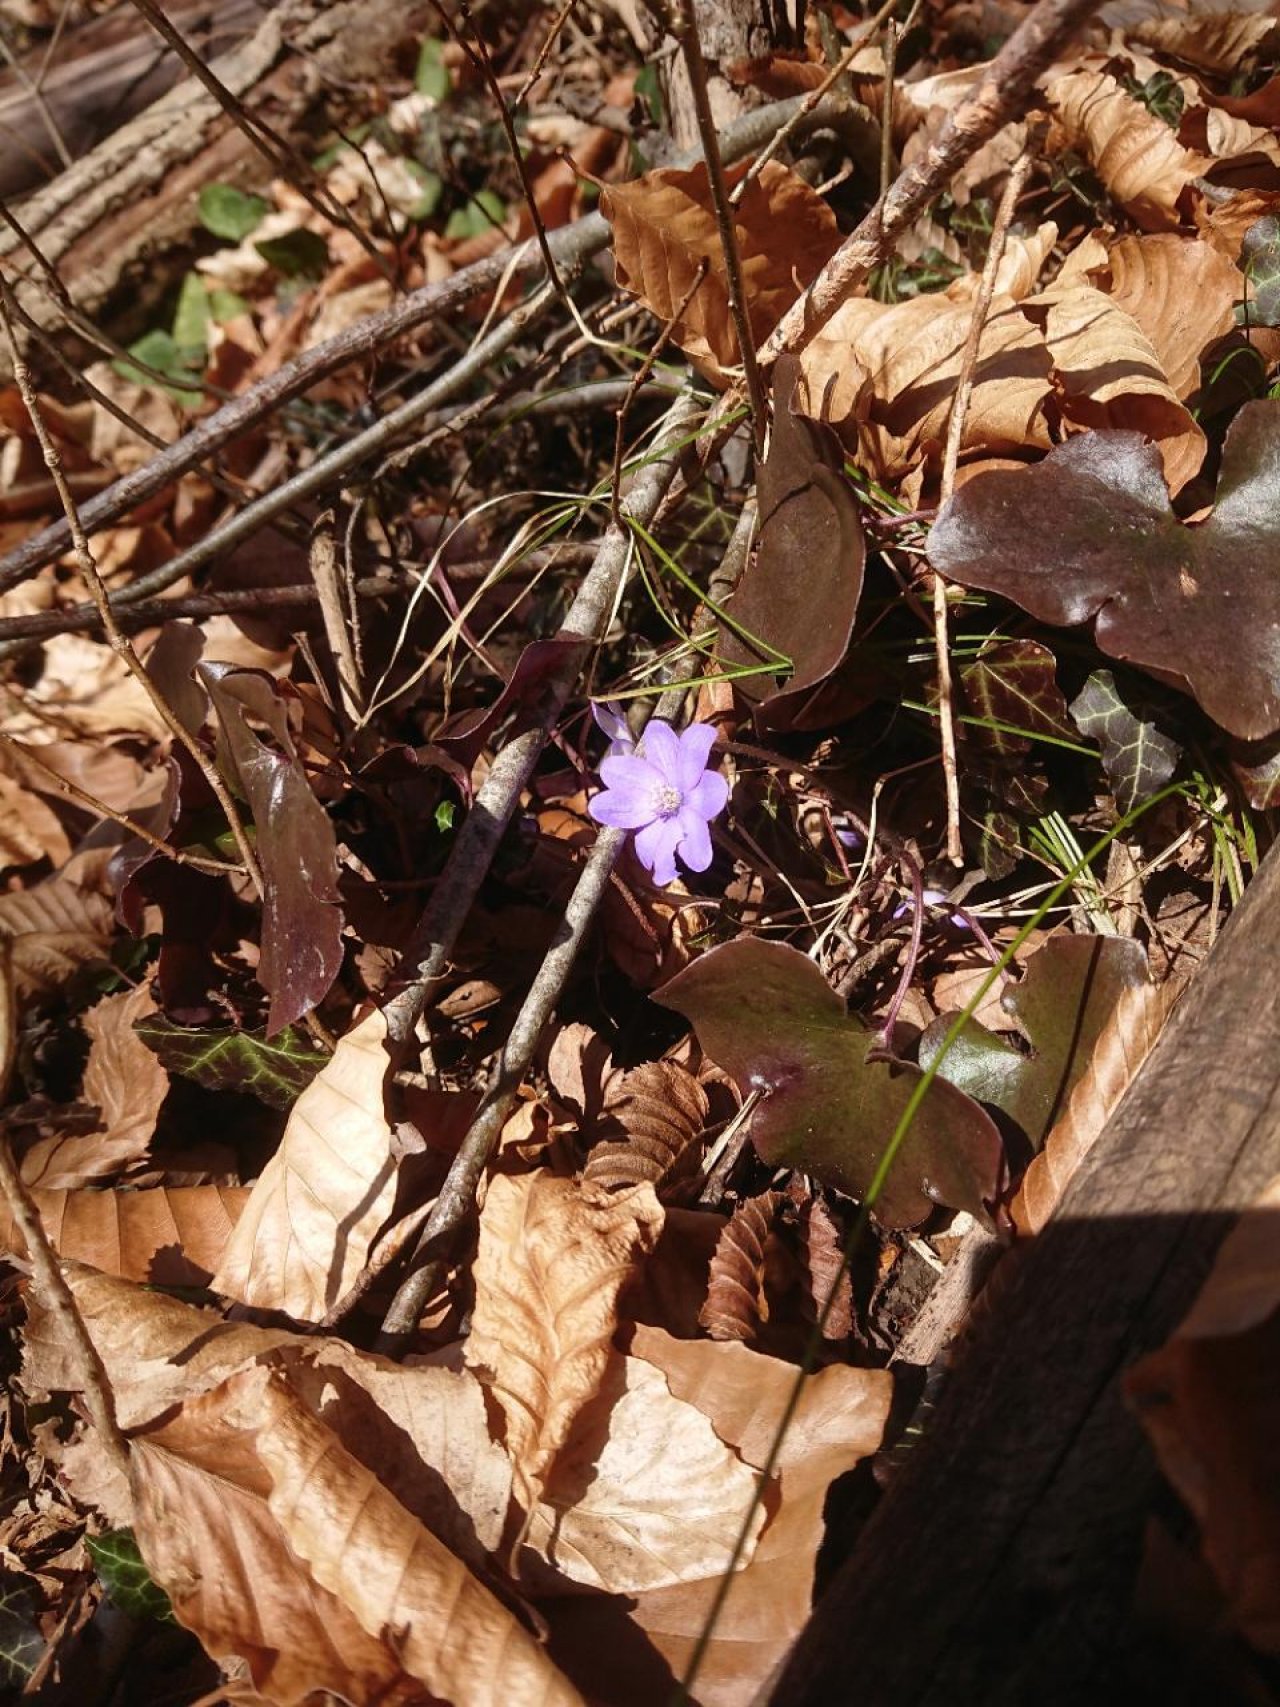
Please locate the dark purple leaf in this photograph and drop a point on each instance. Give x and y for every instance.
(1062, 1003)
(800, 592)
(540, 664)
(1089, 533)
(765, 1013)
(301, 920)
(1013, 684)
(1136, 756)
(1256, 767)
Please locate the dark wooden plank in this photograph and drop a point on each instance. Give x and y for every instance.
(999, 1566)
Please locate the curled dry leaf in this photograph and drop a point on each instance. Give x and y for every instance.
(324, 1196)
(1208, 1401)
(884, 375)
(1218, 41)
(734, 1304)
(838, 1421)
(1108, 375)
(664, 228)
(165, 1236)
(29, 831)
(1122, 1046)
(126, 1083)
(656, 1112)
(553, 1257)
(644, 1494)
(827, 1278)
(55, 928)
(1136, 155)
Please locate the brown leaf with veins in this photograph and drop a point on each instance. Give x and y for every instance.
(1123, 1045)
(553, 1257)
(653, 1115)
(664, 227)
(884, 375)
(839, 1420)
(1137, 156)
(735, 1304)
(1210, 1403)
(307, 1230)
(644, 1494)
(29, 830)
(128, 1085)
(55, 928)
(1218, 42)
(167, 1236)
(1108, 375)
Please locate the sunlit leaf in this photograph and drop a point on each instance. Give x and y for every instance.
(230, 213)
(274, 1069)
(1136, 756)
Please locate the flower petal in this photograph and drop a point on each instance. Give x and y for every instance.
(628, 770)
(695, 749)
(709, 796)
(695, 839)
(622, 808)
(615, 726)
(662, 749)
(656, 848)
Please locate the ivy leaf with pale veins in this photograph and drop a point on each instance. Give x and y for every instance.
(765, 1013)
(1136, 756)
(276, 1070)
(1062, 1003)
(301, 918)
(1199, 605)
(800, 593)
(125, 1577)
(1013, 686)
(1256, 767)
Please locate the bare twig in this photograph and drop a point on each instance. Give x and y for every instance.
(950, 461)
(119, 642)
(684, 27)
(999, 97)
(638, 380)
(323, 559)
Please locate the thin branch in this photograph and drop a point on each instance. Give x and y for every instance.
(571, 244)
(950, 461)
(499, 795)
(119, 642)
(684, 27)
(638, 380)
(1000, 96)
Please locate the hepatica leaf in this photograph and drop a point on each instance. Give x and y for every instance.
(1088, 533)
(1065, 998)
(765, 1013)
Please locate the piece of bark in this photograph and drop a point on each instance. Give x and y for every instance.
(136, 193)
(1000, 1565)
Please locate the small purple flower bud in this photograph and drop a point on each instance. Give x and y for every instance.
(615, 727)
(932, 898)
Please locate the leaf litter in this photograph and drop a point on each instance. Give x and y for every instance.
(495, 1214)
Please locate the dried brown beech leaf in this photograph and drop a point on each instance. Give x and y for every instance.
(1208, 1401)
(1182, 294)
(29, 831)
(644, 1496)
(324, 1196)
(1218, 42)
(655, 1112)
(839, 1420)
(664, 227)
(826, 1272)
(166, 1236)
(553, 1257)
(126, 1082)
(1137, 156)
(884, 375)
(735, 1302)
(55, 927)
(1123, 1045)
(1108, 375)
(276, 1544)
(1019, 269)
(421, 1430)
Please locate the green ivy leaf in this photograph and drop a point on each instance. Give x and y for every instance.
(481, 214)
(432, 187)
(159, 351)
(299, 254)
(432, 75)
(21, 1645)
(230, 213)
(126, 1578)
(275, 1070)
(191, 316)
(1136, 756)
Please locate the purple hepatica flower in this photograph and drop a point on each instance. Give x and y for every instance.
(667, 796)
(933, 898)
